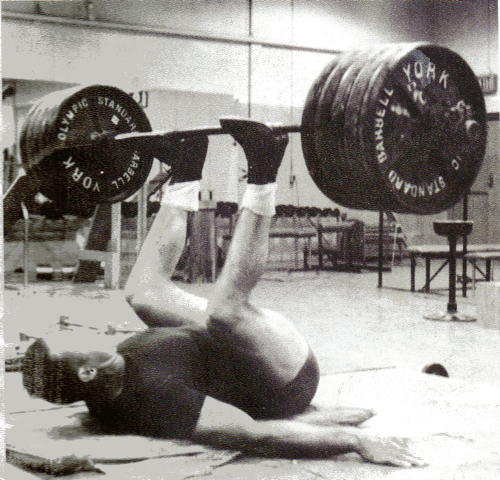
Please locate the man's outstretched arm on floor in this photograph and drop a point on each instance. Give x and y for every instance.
(224, 426)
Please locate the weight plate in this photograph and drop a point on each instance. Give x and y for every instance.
(308, 132)
(435, 369)
(367, 176)
(337, 177)
(425, 128)
(77, 117)
(355, 183)
(388, 202)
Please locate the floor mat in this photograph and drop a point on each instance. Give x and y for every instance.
(454, 425)
(67, 440)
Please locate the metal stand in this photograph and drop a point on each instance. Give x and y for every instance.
(465, 217)
(452, 230)
(380, 247)
(26, 258)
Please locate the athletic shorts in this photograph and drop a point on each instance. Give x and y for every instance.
(231, 380)
(290, 399)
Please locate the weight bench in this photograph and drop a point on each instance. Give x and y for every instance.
(473, 257)
(440, 252)
(344, 256)
(296, 233)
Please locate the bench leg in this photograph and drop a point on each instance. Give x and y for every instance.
(474, 276)
(488, 270)
(464, 277)
(427, 285)
(320, 249)
(413, 265)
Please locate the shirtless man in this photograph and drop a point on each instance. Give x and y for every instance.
(223, 371)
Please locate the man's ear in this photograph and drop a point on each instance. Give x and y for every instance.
(87, 373)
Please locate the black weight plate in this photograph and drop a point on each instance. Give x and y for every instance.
(327, 132)
(23, 137)
(372, 196)
(36, 140)
(40, 121)
(77, 117)
(428, 128)
(28, 138)
(308, 133)
(435, 369)
(388, 202)
(355, 186)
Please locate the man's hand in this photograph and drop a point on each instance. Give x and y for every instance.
(387, 451)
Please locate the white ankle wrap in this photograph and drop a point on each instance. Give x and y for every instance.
(183, 195)
(260, 199)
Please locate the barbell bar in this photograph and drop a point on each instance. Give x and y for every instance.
(398, 128)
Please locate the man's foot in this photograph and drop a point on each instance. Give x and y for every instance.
(186, 156)
(263, 147)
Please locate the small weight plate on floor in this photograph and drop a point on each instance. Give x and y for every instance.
(435, 369)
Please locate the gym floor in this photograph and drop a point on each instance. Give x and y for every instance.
(350, 323)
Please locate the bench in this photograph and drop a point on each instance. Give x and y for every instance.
(393, 242)
(441, 252)
(305, 233)
(346, 254)
(488, 257)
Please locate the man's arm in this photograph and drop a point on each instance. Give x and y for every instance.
(224, 426)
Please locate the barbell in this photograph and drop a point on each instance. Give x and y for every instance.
(398, 128)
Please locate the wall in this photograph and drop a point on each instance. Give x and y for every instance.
(178, 110)
(145, 60)
(269, 82)
(484, 200)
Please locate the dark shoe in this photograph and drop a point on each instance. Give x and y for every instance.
(185, 155)
(263, 147)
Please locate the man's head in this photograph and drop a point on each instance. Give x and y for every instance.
(64, 367)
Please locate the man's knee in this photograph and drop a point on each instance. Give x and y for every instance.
(142, 307)
(142, 302)
(136, 300)
(131, 289)
(223, 317)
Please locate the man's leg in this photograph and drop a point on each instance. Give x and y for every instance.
(149, 290)
(264, 338)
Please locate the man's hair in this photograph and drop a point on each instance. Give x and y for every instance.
(52, 379)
